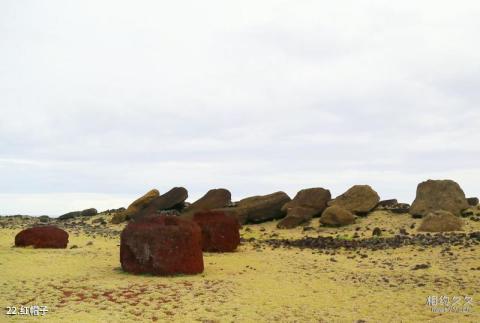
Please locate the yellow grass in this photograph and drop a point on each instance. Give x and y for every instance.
(87, 284)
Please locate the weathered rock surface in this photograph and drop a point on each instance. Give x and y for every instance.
(307, 204)
(161, 245)
(42, 237)
(359, 199)
(173, 199)
(441, 221)
(220, 232)
(213, 199)
(297, 216)
(257, 209)
(434, 195)
(136, 206)
(337, 216)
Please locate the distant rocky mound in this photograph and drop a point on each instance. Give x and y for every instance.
(434, 195)
(307, 204)
(441, 221)
(336, 215)
(257, 209)
(42, 237)
(359, 199)
(161, 245)
(74, 214)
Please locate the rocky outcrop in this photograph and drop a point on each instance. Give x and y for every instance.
(42, 237)
(337, 216)
(441, 221)
(307, 204)
(434, 195)
(161, 245)
(173, 199)
(359, 199)
(136, 206)
(257, 209)
(220, 232)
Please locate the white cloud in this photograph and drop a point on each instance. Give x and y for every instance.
(113, 98)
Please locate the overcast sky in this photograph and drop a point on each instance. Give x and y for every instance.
(101, 101)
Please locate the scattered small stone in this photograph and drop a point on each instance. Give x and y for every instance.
(421, 266)
(376, 232)
(403, 231)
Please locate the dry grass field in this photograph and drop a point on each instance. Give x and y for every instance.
(257, 283)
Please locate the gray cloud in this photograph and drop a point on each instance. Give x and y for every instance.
(102, 101)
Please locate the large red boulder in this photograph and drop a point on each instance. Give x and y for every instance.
(161, 245)
(42, 237)
(220, 232)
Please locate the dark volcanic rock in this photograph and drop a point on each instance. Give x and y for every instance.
(89, 212)
(472, 201)
(359, 199)
(214, 199)
(42, 237)
(161, 245)
(173, 199)
(258, 209)
(393, 206)
(386, 203)
(434, 195)
(375, 243)
(220, 232)
(306, 204)
(136, 206)
(70, 215)
(441, 221)
(376, 232)
(337, 216)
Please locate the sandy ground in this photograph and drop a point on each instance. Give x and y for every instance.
(254, 284)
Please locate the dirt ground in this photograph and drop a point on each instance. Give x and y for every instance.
(257, 283)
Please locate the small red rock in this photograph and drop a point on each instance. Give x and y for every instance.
(161, 245)
(42, 237)
(220, 232)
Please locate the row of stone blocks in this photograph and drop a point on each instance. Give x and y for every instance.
(158, 245)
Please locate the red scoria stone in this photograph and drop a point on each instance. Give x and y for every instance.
(220, 232)
(42, 237)
(161, 245)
